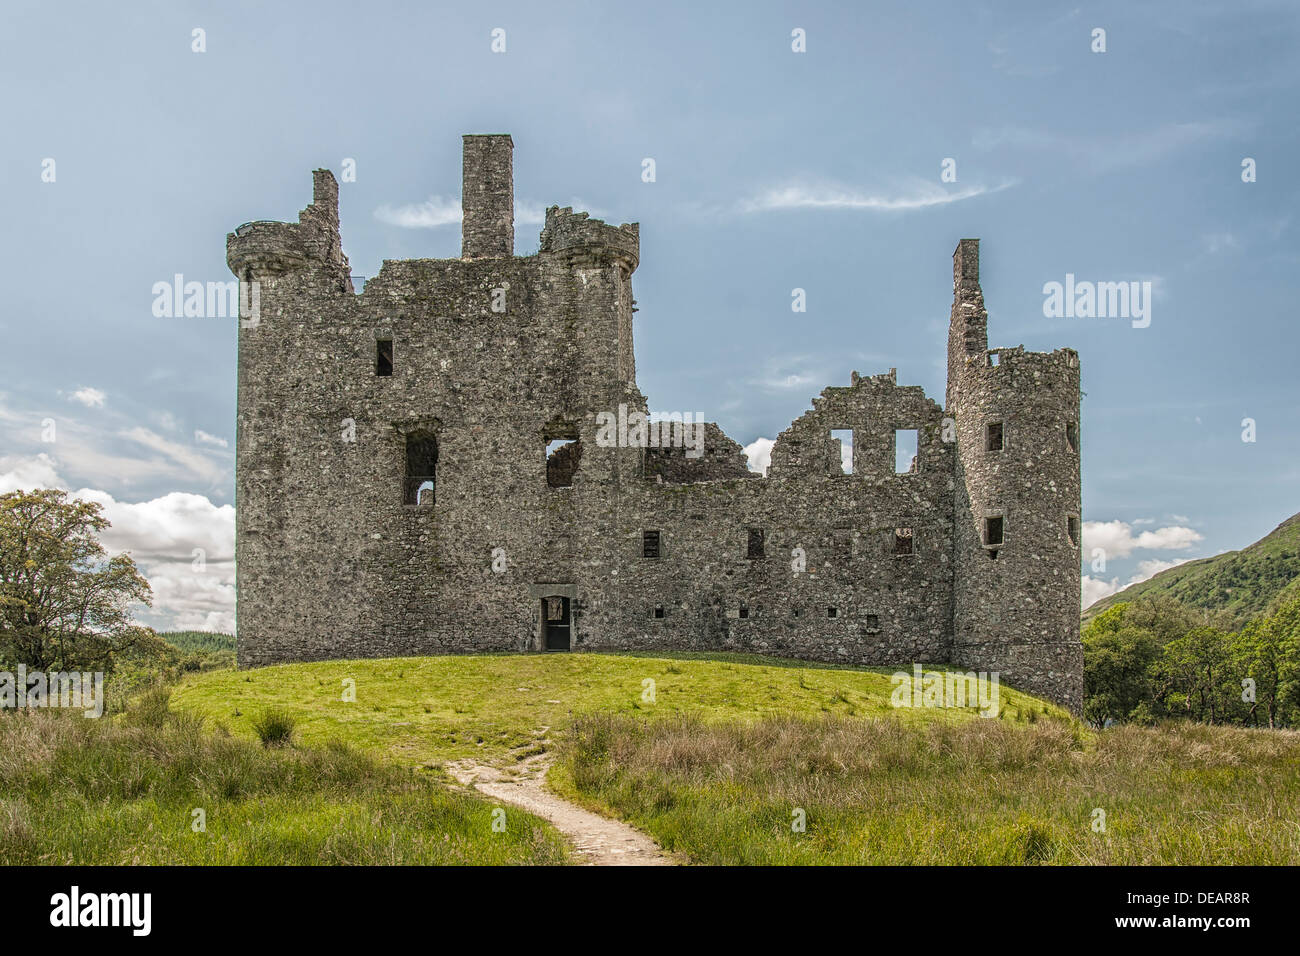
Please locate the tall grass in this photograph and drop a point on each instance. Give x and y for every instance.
(980, 792)
(81, 791)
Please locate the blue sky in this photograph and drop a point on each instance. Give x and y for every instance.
(775, 170)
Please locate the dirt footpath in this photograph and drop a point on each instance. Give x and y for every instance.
(599, 840)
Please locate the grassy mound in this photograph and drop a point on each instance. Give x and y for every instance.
(974, 792)
(426, 710)
(81, 791)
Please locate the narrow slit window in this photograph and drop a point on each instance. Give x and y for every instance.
(650, 544)
(902, 541)
(993, 531)
(844, 436)
(754, 551)
(906, 459)
(384, 357)
(873, 622)
(744, 611)
(832, 612)
(993, 436)
(1072, 529)
(1072, 435)
(659, 611)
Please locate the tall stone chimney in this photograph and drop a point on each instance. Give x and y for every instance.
(488, 197)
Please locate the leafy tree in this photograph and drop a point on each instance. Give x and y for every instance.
(1117, 663)
(1194, 673)
(1261, 659)
(63, 604)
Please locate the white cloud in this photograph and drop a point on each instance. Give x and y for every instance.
(1094, 589)
(784, 382)
(759, 453)
(1150, 568)
(27, 473)
(167, 528)
(203, 438)
(90, 397)
(194, 462)
(433, 212)
(446, 210)
(1116, 538)
(96, 456)
(166, 420)
(919, 194)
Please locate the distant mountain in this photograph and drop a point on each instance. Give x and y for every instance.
(1243, 583)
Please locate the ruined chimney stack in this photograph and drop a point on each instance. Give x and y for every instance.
(966, 261)
(488, 197)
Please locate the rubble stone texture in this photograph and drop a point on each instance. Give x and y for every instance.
(497, 356)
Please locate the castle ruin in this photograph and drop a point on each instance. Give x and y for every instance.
(422, 468)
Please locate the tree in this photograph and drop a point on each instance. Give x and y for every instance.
(1195, 671)
(1259, 654)
(63, 604)
(1285, 632)
(1117, 662)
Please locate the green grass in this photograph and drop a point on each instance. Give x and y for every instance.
(977, 792)
(91, 792)
(426, 710)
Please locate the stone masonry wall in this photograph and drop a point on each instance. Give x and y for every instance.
(494, 356)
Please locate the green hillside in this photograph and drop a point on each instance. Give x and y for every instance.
(1244, 583)
(199, 640)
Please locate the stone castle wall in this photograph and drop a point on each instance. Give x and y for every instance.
(495, 356)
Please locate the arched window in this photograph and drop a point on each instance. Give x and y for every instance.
(421, 470)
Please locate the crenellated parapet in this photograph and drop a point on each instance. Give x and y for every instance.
(585, 240)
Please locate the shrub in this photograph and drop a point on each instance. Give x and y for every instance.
(275, 727)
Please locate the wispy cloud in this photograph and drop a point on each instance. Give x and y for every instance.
(187, 458)
(90, 397)
(439, 211)
(433, 212)
(203, 438)
(915, 195)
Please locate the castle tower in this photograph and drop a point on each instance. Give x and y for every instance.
(1016, 508)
